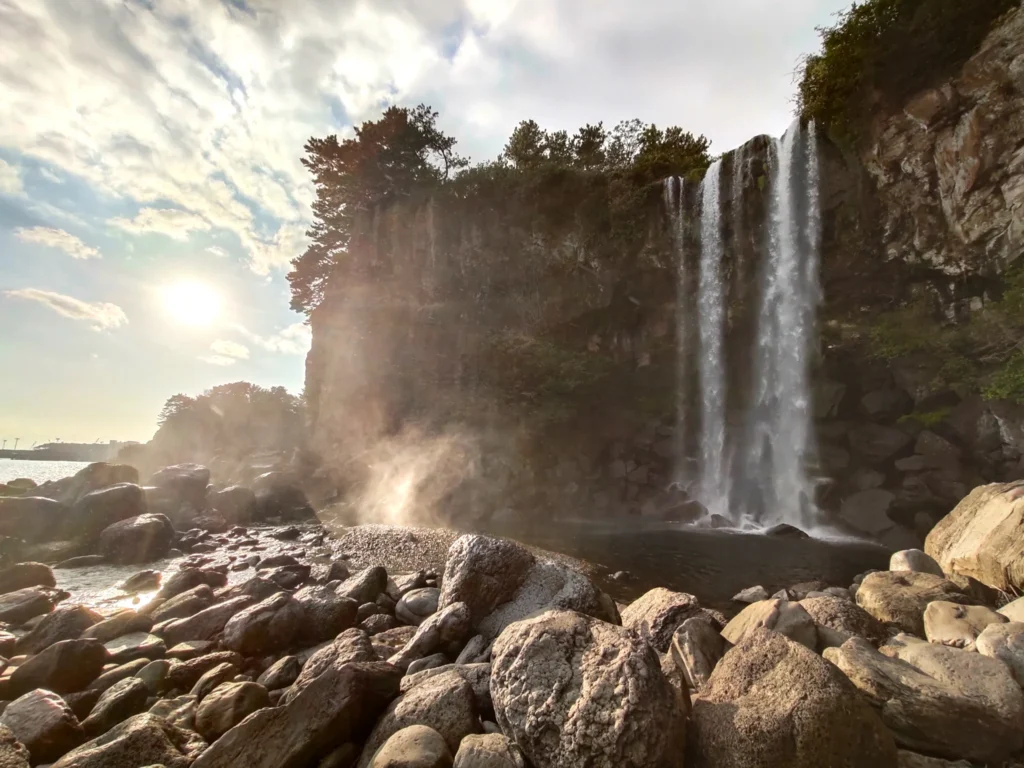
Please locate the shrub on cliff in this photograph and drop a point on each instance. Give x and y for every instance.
(881, 52)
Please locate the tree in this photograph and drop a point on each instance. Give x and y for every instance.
(588, 146)
(526, 146)
(394, 156)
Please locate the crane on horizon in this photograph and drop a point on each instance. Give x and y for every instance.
(16, 440)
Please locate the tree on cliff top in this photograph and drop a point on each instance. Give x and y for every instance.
(387, 158)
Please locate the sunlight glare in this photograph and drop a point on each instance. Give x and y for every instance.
(191, 303)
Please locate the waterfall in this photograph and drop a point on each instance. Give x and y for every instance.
(713, 487)
(675, 201)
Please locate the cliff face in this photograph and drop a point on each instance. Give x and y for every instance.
(543, 319)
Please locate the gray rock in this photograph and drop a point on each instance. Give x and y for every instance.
(138, 645)
(786, 618)
(191, 649)
(236, 504)
(429, 662)
(417, 605)
(203, 625)
(839, 619)
(64, 667)
(143, 581)
(444, 632)
(124, 622)
(773, 702)
(901, 597)
(877, 444)
(557, 682)
(416, 746)
(183, 581)
(914, 760)
(924, 703)
(227, 705)
(751, 595)
(23, 575)
(100, 509)
(326, 613)
(13, 753)
(335, 708)
(350, 646)
(186, 482)
(187, 603)
(914, 560)
(365, 586)
(117, 674)
(220, 674)
(1014, 610)
(696, 649)
(867, 511)
(185, 674)
(483, 573)
(658, 614)
(267, 627)
(477, 675)
(958, 625)
(44, 723)
(31, 518)
(23, 604)
(444, 702)
(119, 702)
(65, 623)
(179, 711)
(137, 540)
(476, 650)
(139, 741)
(154, 676)
(1006, 643)
(488, 750)
(281, 673)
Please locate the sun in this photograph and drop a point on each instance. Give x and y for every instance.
(191, 303)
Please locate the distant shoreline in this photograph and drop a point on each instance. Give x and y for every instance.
(72, 454)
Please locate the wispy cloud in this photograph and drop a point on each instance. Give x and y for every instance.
(217, 251)
(57, 238)
(101, 316)
(10, 179)
(296, 339)
(226, 353)
(172, 222)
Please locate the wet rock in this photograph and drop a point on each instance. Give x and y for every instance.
(658, 614)
(867, 511)
(417, 605)
(118, 673)
(236, 504)
(138, 645)
(901, 597)
(181, 581)
(102, 508)
(186, 604)
(782, 616)
(773, 702)
(491, 750)
(212, 678)
(179, 711)
(276, 561)
(67, 623)
(351, 646)
(228, 705)
(82, 702)
(23, 604)
(365, 586)
(958, 625)
(117, 704)
(335, 708)
(266, 627)
(444, 632)
(1006, 643)
(22, 575)
(416, 746)
(191, 649)
(554, 680)
(44, 723)
(751, 595)
(143, 581)
(258, 588)
(124, 622)
(401, 583)
(64, 667)
(140, 740)
(203, 625)
(926, 695)
(280, 674)
(914, 560)
(187, 483)
(138, 539)
(31, 518)
(154, 675)
(82, 561)
(13, 754)
(184, 674)
(877, 444)
(697, 647)
(838, 620)
(326, 614)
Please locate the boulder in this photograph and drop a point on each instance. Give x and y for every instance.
(13, 753)
(92, 477)
(751, 595)
(697, 647)
(64, 667)
(444, 632)
(1006, 643)
(958, 625)
(838, 620)
(22, 575)
(65, 623)
(236, 504)
(183, 675)
(980, 538)
(203, 625)
(429, 662)
(117, 674)
(141, 740)
(477, 675)
(44, 723)
(119, 702)
(658, 614)
(350, 646)
(900, 597)
(877, 444)
(914, 560)
(187, 579)
(337, 707)
(914, 760)
(137, 645)
(276, 561)
(379, 622)
(82, 561)
(100, 509)
(782, 616)
(416, 746)
(282, 500)
(212, 678)
(489, 750)
(326, 614)
(187, 483)
(186, 604)
(23, 604)
(32, 518)
(444, 703)
(191, 649)
(417, 605)
(926, 696)
(267, 627)
(154, 675)
(179, 711)
(557, 681)
(1014, 610)
(143, 581)
(773, 702)
(365, 586)
(868, 511)
(483, 573)
(121, 623)
(228, 705)
(138, 539)
(281, 673)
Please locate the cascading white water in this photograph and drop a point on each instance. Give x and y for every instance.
(713, 487)
(675, 197)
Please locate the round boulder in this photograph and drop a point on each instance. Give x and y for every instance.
(414, 747)
(267, 627)
(22, 575)
(228, 705)
(138, 539)
(417, 605)
(44, 723)
(901, 597)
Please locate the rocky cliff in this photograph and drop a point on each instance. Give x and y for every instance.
(534, 326)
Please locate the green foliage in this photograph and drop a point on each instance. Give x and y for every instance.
(926, 419)
(1007, 383)
(887, 50)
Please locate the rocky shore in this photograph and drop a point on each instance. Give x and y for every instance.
(271, 644)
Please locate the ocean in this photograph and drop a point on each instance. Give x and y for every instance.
(40, 471)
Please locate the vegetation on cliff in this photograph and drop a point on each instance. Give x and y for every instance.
(881, 52)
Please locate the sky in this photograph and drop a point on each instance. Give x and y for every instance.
(151, 189)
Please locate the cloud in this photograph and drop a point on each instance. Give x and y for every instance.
(10, 180)
(101, 316)
(226, 353)
(296, 339)
(218, 360)
(57, 238)
(173, 222)
(217, 251)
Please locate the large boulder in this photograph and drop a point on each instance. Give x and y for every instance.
(13, 754)
(782, 616)
(64, 667)
(92, 477)
(925, 694)
(102, 508)
(23, 575)
(141, 740)
(349, 647)
(121, 623)
(1006, 643)
(416, 746)
(338, 706)
(900, 597)
(697, 647)
(186, 482)
(181, 606)
(558, 684)
(773, 702)
(281, 673)
(32, 518)
(365, 586)
(877, 444)
(658, 614)
(23, 604)
(119, 702)
(444, 632)
(958, 625)
(326, 614)
(914, 560)
(980, 538)
(267, 627)
(417, 605)
(65, 623)
(483, 573)
(183, 675)
(838, 620)
(488, 750)
(236, 504)
(138, 539)
(228, 705)
(203, 625)
(44, 723)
